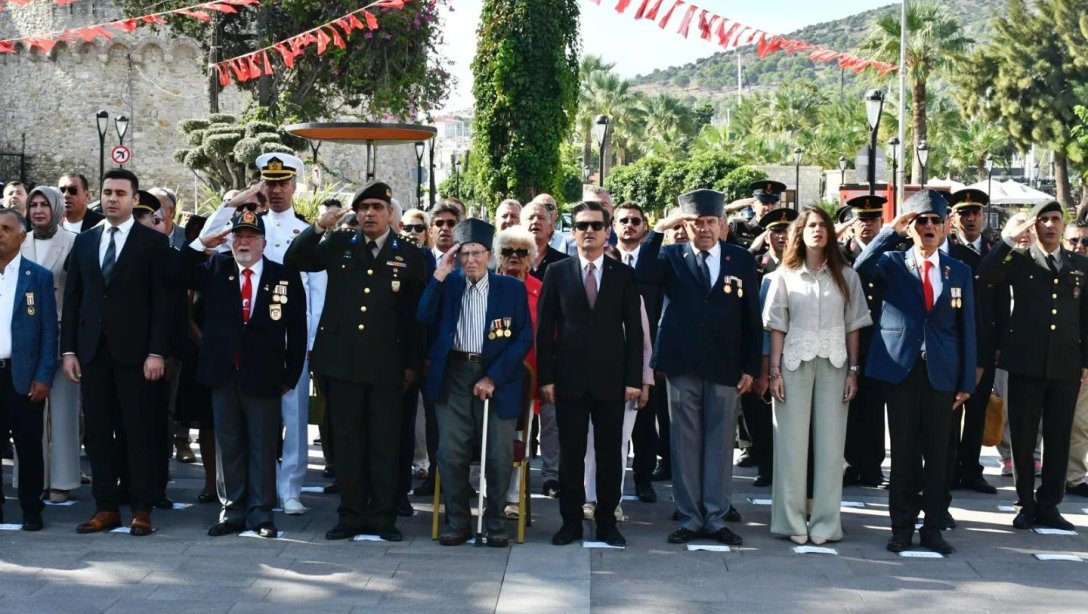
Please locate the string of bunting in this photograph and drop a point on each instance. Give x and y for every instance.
(729, 33)
(46, 42)
(256, 64)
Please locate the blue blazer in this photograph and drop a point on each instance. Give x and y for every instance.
(33, 328)
(948, 331)
(714, 335)
(502, 357)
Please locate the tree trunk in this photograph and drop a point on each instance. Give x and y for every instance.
(1061, 179)
(213, 71)
(918, 117)
(980, 168)
(264, 83)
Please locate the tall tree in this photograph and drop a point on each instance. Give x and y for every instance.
(590, 71)
(525, 83)
(1027, 80)
(934, 42)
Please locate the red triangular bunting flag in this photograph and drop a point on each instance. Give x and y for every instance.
(642, 9)
(665, 20)
(267, 63)
(254, 65)
(286, 53)
(685, 23)
(336, 38)
(652, 13)
(622, 5)
(224, 76)
(198, 15)
(159, 19)
(322, 41)
(125, 25)
(222, 8)
(371, 20)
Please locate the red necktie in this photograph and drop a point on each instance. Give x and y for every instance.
(927, 288)
(247, 294)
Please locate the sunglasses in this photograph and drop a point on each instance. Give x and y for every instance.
(584, 226)
(1083, 241)
(632, 221)
(510, 252)
(922, 220)
(73, 190)
(250, 206)
(446, 223)
(415, 227)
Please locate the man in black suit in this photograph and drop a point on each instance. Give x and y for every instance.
(589, 357)
(368, 349)
(254, 348)
(1045, 351)
(969, 246)
(77, 217)
(115, 333)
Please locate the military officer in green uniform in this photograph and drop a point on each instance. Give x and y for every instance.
(368, 348)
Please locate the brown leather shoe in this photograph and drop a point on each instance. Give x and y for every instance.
(141, 524)
(101, 521)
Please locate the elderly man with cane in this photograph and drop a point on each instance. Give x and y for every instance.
(483, 335)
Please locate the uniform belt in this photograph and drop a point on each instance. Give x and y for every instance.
(466, 356)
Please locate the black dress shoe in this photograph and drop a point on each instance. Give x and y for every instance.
(875, 480)
(455, 537)
(332, 489)
(1050, 517)
(498, 539)
(662, 473)
(32, 522)
(727, 537)
(732, 515)
(425, 488)
(567, 534)
(611, 536)
(851, 477)
(341, 531)
(404, 507)
(207, 497)
(1024, 520)
(978, 484)
(761, 481)
(328, 472)
(646, 492)
(946, 521)
(225, 527)
(164, 504)
(550, 488)
(746, 460)
(676, 515)
(930, 537)
(1081, 490)
(267, 530)
(899, 543)
(682, 536)
(390, 534)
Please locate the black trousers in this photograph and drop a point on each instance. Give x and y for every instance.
(246, 430)
(117, 398)
(21, 420)
(919, 419)
(968, 423)
(1054, 401)
(572, 416)
(865, 429)
(759, 421)
(644, 436)
(407, 439)
(160, 404)
(366, 433)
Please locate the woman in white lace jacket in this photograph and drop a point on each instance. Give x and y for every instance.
(814, 308)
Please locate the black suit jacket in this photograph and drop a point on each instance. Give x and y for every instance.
(368, 332)
(551, 256)
(271, 347)
(985, 311)
(651, 293)
(594, 351)
(131, 315)
(90, 220)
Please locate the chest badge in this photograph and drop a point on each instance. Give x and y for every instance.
(30, 310)
(275, 311)
(395, 285)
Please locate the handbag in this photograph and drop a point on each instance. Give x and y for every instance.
(995, 421)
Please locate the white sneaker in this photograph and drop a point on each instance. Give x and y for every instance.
(619, 514)
(588, 510)
(511, 511)
(294, 507)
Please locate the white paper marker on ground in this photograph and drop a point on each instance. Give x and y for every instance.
(708, 548)
(252, 533)
(62, 503)
(1050, 531)
(1006, 508)
(182, 506)
(755, 501)
(10, 527)
(856, 504)
(315, 489)
(601, 545)
(1057, 557)
(920, 554)
(815, 550)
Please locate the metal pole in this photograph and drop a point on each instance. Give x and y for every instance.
(600, 175)
(431, 189)
(989, 191)
(872, 159)
(797, 184)
(902, 98)
(101, 156)
(895, 184)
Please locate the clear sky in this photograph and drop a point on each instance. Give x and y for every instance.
(639, 46)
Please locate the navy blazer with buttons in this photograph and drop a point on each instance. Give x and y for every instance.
(712, 334)
(33, 328)
(502, 357)
(948, 331)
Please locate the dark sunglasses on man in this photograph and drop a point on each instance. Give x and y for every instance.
(1082, 241)
(73, 190)
(631, 221)
(514, 252)
(446, 223)
(922, 220)
(250, 206)
(584, 226)
(415, 227)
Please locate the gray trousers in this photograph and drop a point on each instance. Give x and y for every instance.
(460, 424)
(703, 418)
(246, 430)
(1078, 442)
(549, 443)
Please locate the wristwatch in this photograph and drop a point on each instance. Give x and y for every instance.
(855, 368)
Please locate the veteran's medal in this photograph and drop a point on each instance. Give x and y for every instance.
(506, 328)
(727, 284)
(395, 285)
(30, 304)
(275, 312)
(740, 288)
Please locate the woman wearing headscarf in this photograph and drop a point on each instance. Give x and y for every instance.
(48, 246)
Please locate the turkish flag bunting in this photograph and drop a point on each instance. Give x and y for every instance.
(685, 23)
(665, 20)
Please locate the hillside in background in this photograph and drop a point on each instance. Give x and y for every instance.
(711, 77)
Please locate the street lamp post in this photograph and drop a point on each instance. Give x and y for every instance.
(797, 178)
(103, 120)
(895, 145)
(600, 129)
(874, 104)
(1036, 175)
(456, 179)
(420, 146)
(989, 188)
(842, 171)
(586, 172)
(121, 123)
(923, 157)
(432, 191)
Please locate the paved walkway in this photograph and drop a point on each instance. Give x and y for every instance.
(180, 569)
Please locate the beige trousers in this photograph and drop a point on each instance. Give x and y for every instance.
(813, 400)
(1078, 442)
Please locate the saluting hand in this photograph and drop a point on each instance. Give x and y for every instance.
(333, 218)
(1019, 229)
(215, 240)
(672, 221)
(446, 264)
(243, 197)
(902, 221)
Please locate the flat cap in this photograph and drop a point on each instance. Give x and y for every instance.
(927, 201)
(474, 230)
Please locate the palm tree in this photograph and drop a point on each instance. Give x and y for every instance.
(612, 96)
(589, 70)
(934, 41)
(668, 124)
(972, 143)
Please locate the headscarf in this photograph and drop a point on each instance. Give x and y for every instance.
(56, 199)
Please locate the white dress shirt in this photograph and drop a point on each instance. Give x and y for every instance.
(471, 323)
(75, 227)
(597, 265)
(9, 282)
(255, 278)
(280, 228)
(630, 258)
(934, 274)
(119, 238)
(713, 260)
